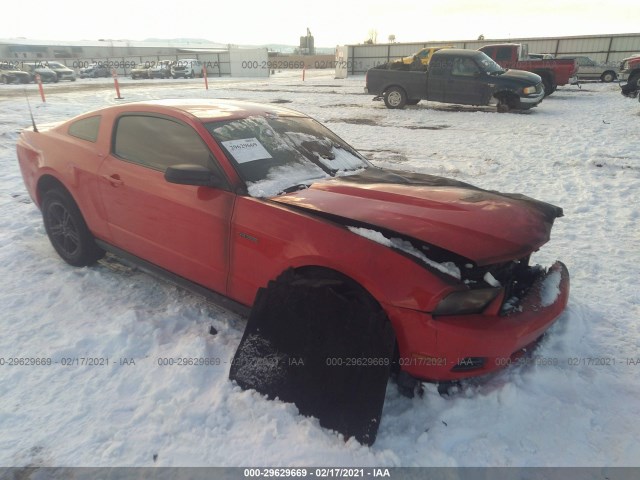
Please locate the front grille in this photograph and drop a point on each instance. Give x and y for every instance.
(516, 277)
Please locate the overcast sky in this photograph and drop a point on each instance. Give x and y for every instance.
(332, 22)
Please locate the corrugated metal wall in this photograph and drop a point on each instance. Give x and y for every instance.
(602, 48)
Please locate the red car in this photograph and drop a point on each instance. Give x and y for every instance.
(227, 196)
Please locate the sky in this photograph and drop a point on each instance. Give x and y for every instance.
(332, 22)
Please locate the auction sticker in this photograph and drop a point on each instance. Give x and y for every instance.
(246, 150)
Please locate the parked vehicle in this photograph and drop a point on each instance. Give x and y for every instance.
(187, 68)
(466, 77)
(161, 69)
(38, 68)
(426, 275)
(422, 56)
(554, 72)
(589, 69)
(62, 71)
(630, 71)
(541, 56)
(95, 70)
(10, 73)
(140, 71)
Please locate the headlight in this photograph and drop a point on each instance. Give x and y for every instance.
(529, 90)
(471, 301)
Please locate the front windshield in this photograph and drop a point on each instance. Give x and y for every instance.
(274, 154)
(488, 65)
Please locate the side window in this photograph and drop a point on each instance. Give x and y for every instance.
(86, 129)
(158, 143)
(464, 67)
(503, 53)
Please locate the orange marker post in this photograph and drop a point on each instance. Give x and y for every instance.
(204, 75)
(114, 74)
(39, 82)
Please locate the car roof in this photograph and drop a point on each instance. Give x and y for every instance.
(208, 110)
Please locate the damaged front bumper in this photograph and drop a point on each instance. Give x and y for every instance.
(456, 347)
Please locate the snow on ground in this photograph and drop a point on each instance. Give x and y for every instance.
(577, 404)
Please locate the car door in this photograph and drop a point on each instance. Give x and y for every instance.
(437, 77)
(464, 84)
(587, 68)
(181, 228)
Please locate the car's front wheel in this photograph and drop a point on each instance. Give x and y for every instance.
(67, 229)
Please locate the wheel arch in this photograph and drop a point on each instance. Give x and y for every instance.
(49, 182)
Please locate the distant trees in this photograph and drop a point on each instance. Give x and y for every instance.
(373, 37)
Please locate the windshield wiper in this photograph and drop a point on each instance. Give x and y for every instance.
(295, 188)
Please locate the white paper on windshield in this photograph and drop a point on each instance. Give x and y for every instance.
(246, 150)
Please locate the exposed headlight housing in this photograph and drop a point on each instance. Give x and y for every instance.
(466, 302)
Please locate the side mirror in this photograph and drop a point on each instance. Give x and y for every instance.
(191, 174)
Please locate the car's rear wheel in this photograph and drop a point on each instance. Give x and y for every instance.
(67, 230)
(549, 85)
(395, 97)
(608, 76)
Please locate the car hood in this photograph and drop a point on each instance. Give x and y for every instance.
(521, 76)
(483, 226)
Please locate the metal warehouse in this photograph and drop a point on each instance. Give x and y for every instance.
(610, 49)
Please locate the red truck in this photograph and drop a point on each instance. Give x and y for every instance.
(554, 72)
(630, 71)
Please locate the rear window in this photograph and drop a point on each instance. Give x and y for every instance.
(86, 129)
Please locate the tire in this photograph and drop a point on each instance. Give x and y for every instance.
(549, 85)
(395, 97)
(634, 80)
(67, 230)
(504, 103)
(608, 76)
(413, 101)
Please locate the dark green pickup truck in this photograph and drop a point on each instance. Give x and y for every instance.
(466, 77)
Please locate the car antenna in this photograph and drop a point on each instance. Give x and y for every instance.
(33, 122)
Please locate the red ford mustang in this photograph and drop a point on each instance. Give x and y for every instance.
(227, 196)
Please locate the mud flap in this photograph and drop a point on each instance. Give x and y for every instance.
(313, 343)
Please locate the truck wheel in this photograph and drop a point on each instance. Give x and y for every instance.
(634, 80)
(395, 97)
(67, 230)
(549, 85)
(608, 76)
(504, 105)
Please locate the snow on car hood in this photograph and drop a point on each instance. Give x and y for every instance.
(483, 226)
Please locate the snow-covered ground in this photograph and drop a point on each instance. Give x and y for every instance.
(574, 403)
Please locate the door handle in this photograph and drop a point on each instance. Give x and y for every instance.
(114, 180)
